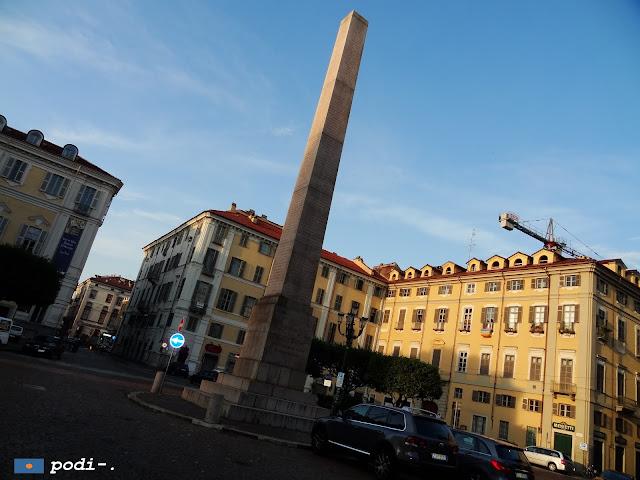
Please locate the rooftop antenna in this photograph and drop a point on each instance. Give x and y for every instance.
(471, 244)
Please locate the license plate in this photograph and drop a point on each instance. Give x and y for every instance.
(439, 456)
(40, 350)
(521, 475)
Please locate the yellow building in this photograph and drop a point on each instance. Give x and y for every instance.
(211, 270)
(96, 307)
(534, 349)
(52, 203)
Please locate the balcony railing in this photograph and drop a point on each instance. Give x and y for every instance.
(564, 388)
(82, 209)
(537, 328)
(625, 404)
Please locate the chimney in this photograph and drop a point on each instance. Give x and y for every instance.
(233, 207)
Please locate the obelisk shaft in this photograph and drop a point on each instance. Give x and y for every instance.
(281, 325)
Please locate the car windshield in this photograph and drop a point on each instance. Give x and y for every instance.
(432, 429)
(511, 453)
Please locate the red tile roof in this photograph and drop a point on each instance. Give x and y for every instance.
(274, 231)
(114, 281)
(53, 149)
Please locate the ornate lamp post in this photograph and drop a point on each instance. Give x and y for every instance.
(350, 335)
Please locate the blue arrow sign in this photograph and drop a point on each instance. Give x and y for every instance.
(176, 340)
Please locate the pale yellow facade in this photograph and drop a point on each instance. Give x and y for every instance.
(519, 344)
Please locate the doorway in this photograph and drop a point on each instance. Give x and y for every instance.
(619, 463)
(563, 443)
(598, 449)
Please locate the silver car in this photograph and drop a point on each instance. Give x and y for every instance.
(552, 459)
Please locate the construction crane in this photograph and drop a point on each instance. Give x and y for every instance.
(509, 221)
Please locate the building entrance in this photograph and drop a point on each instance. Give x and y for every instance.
(598, 449)
(563, 443)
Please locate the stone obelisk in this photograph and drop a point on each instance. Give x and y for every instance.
(281, 326)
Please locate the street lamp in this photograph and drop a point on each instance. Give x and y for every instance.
(350, 335)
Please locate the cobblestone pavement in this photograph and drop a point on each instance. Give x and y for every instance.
(78, 408)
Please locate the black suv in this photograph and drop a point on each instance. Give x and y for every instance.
(391, 438)
(490, 459)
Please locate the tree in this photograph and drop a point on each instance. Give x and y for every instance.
(327, 357)
(27, 279)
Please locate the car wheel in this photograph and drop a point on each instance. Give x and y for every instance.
(384, 463)
(552, 466)
(319, 441)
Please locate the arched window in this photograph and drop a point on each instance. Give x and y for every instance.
(619, 270)
(543, 259)
(495, 264)
(35, 137)
(448, 270)
(410, 275)
(70, 151)
(473, 267)
(518, 262)
(394, 276)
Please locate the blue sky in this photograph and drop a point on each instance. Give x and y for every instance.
(463, 109)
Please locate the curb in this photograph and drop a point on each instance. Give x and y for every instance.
(133, 396)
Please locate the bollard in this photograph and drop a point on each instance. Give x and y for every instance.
(157, 383)
(214, 409)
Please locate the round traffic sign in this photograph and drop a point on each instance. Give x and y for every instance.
(176, 340)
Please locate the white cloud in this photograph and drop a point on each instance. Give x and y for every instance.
(159, 217)
(281, 131)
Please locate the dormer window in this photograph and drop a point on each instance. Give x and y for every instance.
(448, 271)
(35, 137)
(410, 275)
(70, 152)
(495, 264)
(543, 259)
(518, 262)
(473, 267)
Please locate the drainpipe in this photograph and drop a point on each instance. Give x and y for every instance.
(453, 349)
(495, 370)
(546, 344)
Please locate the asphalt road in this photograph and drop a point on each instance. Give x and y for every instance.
(76, 408)
(64, 411)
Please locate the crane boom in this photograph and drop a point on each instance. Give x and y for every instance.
(509, 221)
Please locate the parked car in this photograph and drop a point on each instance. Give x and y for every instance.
(613, 475)
(490, 459)
(211, 375)
(551, 459)
(15, 334)
(46, 345)
(390, 438)
(178, 369)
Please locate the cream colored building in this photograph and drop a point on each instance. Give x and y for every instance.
(211, 270)
(534, 349)
(97, 305)
(52, 203)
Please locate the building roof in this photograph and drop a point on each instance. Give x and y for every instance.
(273, 230)
(114, 281)
(53, 149)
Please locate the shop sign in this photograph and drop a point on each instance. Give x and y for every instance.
(600, 435)
(621, 440)
(563, 426)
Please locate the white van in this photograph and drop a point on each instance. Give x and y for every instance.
(5, 329)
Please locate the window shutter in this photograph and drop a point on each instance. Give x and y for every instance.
(241, 269)
(446, 315)
(560, 312)
(435, 315)
(23, 167)
(80, 193)
(532, 314)
(576, 318)
(474, 396)
(519, 314)
(508, 285)
(498, 398)
(555, 409)
(63, 190)
(525, 404)
(486, 286)
(232, 300)
(43, 236)
(561, 281)
(498, 286)
(546, 314)
(577, 280)
(21, 235)
(3, 225)
(45, 182)
(572, 412)
(483, 316)
(533, 283)
(7, 167)
(505, 317)
(96, 198)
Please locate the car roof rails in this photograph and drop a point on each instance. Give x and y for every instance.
(421, 411)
